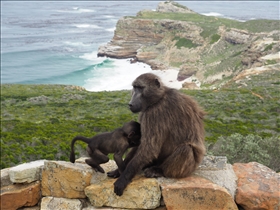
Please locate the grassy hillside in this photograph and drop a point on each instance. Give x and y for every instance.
(39, 121)
(210, 23)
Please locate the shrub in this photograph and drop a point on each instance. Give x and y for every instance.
(215, 38)
(239, 148)
(183, 42)
(269, 47)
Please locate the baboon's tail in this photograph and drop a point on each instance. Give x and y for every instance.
(72, 154)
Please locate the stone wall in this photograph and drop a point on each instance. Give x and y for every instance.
(50, 185)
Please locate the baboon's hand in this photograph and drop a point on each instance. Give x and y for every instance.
(120, 185)
(100, 169)
(113, 174)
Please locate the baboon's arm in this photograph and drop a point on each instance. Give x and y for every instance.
(119, 161)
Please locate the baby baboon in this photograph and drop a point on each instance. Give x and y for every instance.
(172, 142)
(116, 142)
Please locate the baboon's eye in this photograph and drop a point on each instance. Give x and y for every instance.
(138, 87)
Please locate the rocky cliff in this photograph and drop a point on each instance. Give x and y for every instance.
(210, 48)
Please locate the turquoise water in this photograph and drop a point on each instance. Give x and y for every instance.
(57, 42)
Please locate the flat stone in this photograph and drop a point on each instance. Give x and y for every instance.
(108, 208)
(52, 203)
(100, 177)
(213, 163)
(5, 178)
(224, 177)
(65, 179)
(141, 193)
(18, 195)
(195, 193)
(258, 187)
(26, 172)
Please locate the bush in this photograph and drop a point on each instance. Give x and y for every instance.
(215, 38)
(183, 42)
(243, 149)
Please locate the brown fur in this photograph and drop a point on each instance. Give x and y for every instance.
(116, 142)
(172, 142)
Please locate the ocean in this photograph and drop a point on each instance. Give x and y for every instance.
(56, 42)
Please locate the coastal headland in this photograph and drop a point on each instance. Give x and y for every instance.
(211, 50)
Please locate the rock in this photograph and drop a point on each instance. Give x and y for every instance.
(52, 203)
(129, 36)
(216, 169)
(236, 36)
(5, 178)
(39, 100)
(190, 85)
(213, 163)
(65, 179)
(195, 193)
(186, 71)
(258, 187)
(100, 177)
(108, 208)
(18, 195)
(26, 172)
(141, 193)
(169, 6)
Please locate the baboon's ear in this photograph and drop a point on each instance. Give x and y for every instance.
(157, 83)
(131, 134)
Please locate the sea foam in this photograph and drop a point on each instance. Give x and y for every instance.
(212, 14)
(114, 74)
(76, 10)
(118, 74)
(86, 26)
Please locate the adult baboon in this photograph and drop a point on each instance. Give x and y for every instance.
(116, 142)
(172, 142)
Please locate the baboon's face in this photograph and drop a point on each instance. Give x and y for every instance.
(147, 91)
(135, 103)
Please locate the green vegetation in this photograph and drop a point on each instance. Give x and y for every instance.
(215, 38)
(244, 149)
(225, 56)
(269, 47)
(39, 121)
(209, 23)
(270, 62)
(183, 42)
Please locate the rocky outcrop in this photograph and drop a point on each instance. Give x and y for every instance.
(133, 37)
(170, 6)
(235, 36)
(125, 45)
(63, 185)
(208, 48)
